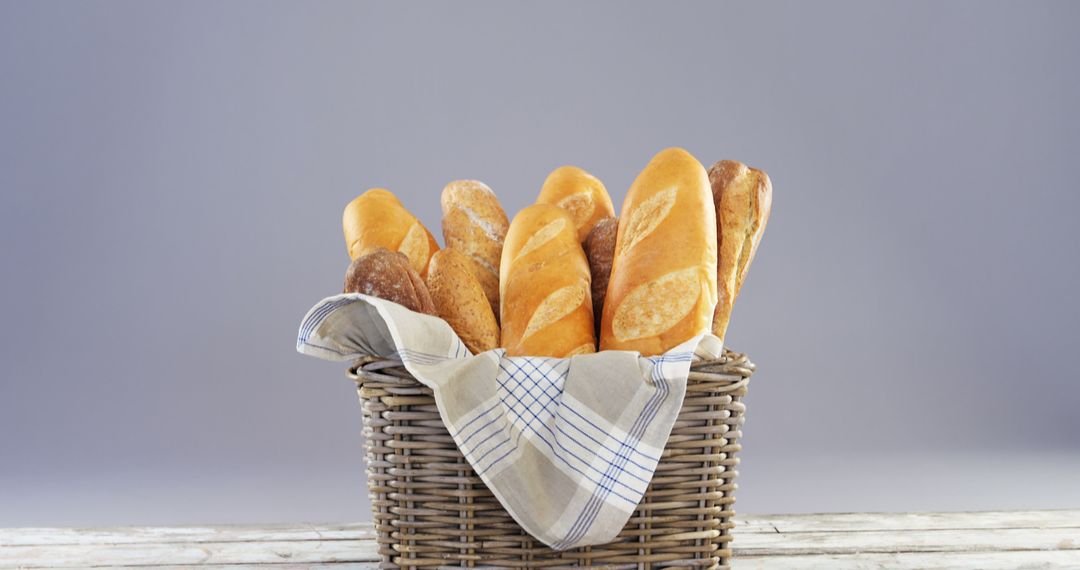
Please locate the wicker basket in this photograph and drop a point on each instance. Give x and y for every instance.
(431, 510)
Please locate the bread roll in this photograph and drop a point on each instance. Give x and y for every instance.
(389, 275)
(742, 197)
(599, 249)
(377, 219)
(544, 282)
(663, 276)
(461, 301)
(475, 224)
(581, 194)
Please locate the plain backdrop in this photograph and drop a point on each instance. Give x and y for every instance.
(172, 176)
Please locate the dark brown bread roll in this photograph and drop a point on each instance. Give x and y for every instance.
(387, 275)
(600, 249)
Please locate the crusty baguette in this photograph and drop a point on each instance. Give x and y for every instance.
(581, 194)
(475, 224)
(389, 275)
(544, 283)
(599, 249)
(742, 197)
(460, 300)
(376, 218)
(663, 277)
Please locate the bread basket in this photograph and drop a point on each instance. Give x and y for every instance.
(430, 509)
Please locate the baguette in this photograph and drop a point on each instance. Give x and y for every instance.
(460, 300)
(742, 197)
(475, 224)
(544, 284)
(389, 275)
(662, 290)
(581, 194)
(376, 219)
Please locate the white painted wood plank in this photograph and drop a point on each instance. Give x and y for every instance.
(167, 535)
(272, 552)
(323, 566)
(1028, 560)
(980, 540)
(833, 522)
(851, 539)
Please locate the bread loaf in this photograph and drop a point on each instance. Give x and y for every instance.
(581, 194)
(599, 249)
(460, 300)
(377, 219)
(742, 197)
(544, 283)
(389, 275)
(475, 224)
(663, 276)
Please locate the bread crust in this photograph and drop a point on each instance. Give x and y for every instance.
(544, 282)
(389, 275)
(581, 194)
(460, 300)
(600, 249)
(742, 198)
(376, 219)
(475, 224)
(662, 289)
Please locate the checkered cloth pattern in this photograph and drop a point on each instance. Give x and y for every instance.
(567, 445)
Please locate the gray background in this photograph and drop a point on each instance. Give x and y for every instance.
(173, 176)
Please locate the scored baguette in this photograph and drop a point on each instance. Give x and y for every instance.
(662, 290)
(475, 224)
(544, 283)
(742, 197)
(376, 219)
(581, 194)
(460, 300)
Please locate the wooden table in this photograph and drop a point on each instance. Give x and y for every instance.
(987, 540)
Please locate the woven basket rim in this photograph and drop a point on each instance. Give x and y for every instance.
(731, 371)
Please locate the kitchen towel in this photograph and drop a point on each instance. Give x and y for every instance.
(567, 445)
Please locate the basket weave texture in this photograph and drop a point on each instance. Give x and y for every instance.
(430, 509)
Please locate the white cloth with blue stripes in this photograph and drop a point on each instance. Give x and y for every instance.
(567, 445)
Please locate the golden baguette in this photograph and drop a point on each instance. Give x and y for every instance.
(376, 219)
(662, 290)
(581, 194)
(544, 286)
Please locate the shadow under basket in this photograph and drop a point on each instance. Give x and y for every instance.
(430, 509)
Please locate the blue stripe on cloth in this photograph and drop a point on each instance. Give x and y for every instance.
(488, 452)
(318, 316)
(528, 425)
(592, 509)
(456, 434)
(597, 441)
